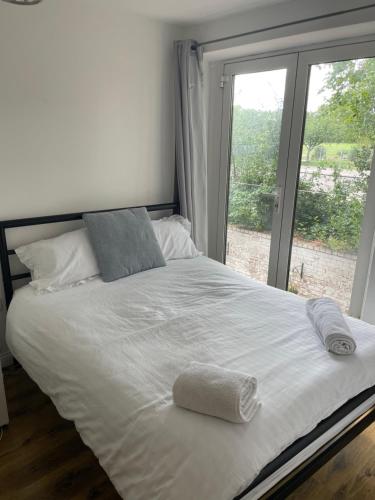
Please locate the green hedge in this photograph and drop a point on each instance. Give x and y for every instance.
(332, 216)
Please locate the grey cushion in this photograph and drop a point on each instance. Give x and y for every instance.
(124, 242)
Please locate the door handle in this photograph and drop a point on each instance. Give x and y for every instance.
(278, 197)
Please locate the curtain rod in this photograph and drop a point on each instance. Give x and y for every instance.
(285, 25)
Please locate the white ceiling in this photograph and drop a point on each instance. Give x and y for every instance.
(194, 11)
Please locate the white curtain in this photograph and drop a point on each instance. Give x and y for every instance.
(191, 158)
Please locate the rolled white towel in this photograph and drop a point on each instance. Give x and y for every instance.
(218, 392)
(329, 323)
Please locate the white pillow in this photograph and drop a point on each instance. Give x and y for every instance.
(60, 262)
(173, 235)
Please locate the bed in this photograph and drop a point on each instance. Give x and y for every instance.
(108, 353)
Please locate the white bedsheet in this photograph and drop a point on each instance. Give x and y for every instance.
(108, 354)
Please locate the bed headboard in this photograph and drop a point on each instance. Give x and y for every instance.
(5, 252)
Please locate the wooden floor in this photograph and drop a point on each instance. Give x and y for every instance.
(43, 457)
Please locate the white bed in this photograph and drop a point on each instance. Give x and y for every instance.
(108, 353)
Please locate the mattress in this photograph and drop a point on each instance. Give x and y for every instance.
(108, 354)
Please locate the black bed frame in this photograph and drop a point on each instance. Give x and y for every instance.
(292, 480)
(5, 253)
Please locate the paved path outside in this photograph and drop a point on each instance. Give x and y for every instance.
(315, 271)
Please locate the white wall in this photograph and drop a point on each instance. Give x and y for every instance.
(86, 117)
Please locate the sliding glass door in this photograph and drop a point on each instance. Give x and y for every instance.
(299, 146)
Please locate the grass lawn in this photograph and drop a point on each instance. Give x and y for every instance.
(334, 151)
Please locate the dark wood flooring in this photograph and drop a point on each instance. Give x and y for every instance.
(43, 457)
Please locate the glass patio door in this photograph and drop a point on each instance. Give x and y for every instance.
(256, 125)
(297, 175)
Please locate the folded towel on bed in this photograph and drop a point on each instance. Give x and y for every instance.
(218, 392)
(329, 323)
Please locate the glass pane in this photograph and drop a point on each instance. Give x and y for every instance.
(337, 153)
(257, 114)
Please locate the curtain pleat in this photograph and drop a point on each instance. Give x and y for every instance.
(191, 156)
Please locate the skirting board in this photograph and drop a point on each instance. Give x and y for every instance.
(6, 359)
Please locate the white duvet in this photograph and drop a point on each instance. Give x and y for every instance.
(108, 354)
